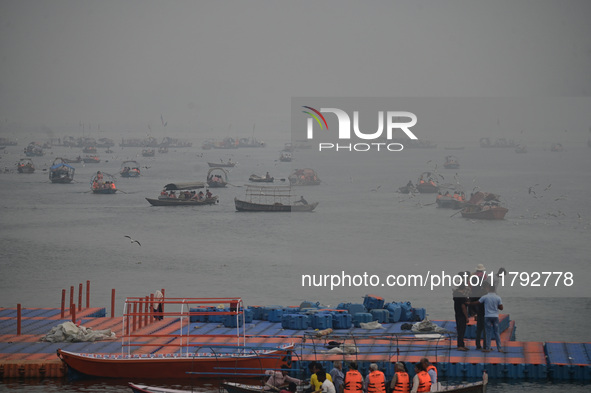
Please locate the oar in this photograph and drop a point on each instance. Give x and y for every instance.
(233, 185)
(122, 191)
(459, 211)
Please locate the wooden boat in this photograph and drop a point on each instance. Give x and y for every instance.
(272, 199)
(520, 149)
(89, 149)
(61, 172)
(175, 366)
(486, 211)
(168, 201)
(222, 164)
(557, 147)
(33, 150)
(427, 183)
(102, 183)
(234, 387)
(72, 160)
(449, 202)
(261, 179)
(451, 162)
(304, 177)
(148, 153)
(163, 149)
(130, 168)
(91, 159)
(217, 177)
(186, 195)
(105, 142)
(285, 156)
(135, 388)
(25, 165)
(250, 142)
(500, 142)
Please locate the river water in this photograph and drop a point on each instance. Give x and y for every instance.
(54, 236)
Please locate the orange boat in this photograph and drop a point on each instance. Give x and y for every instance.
(242, 363)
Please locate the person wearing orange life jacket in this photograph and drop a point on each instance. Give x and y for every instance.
(400, 381)
(431, 370)
(376, 381)
(113, 186)
(353, 380)
(421, 382)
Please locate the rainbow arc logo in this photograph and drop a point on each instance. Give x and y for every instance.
(316, 112)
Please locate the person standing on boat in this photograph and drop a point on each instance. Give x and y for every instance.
(279, 379)
(375, 381)
(400, 381)
(337, 375)
(159, 299)
(302, 200)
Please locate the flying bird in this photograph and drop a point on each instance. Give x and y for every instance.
(132, 240)
(375, 189)
(162, 120)
(530, 190)
(547, 188)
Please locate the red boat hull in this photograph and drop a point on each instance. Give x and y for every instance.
(115, 366)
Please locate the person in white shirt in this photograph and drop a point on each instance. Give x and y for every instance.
(327, 385)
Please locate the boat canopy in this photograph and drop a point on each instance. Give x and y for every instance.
(61, 165)
(184, 186)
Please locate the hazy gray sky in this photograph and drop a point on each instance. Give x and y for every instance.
(206, 65)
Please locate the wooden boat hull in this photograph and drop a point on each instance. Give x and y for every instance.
(244, 206)
(130, 174)
(476, 212)
(258, 179)
(427, 188)
(450, 203)
(216, 184)
(180, 202)
(154, 389)
(105, 191)
(61, 180)
(180, 367)
(91, 161)
(451, 166)
(220, 165)
(25, 170)
(234, 387)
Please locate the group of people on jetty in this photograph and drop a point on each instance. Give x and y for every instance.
(186, 195)
(351, 381)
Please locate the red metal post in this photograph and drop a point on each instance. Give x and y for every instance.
(113, 303)
(71, 297)
(140, 320)
(87, 293)
(63, 304)
(80, 297)
(146, 311)
(73, 312)
(134, 315)
(18, 319)
(152, 308)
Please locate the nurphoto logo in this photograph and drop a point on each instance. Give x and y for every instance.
(395, 121)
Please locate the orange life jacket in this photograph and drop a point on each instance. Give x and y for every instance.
(402, 382)
(376, 382)
(353, 382)
(424, 382)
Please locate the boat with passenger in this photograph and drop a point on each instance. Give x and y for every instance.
(72, 160)
(222, 164)
(217, 177)
(449, 201)
(91, 159)
(89, 149)
(184, 194)
(130, 168)
(148, 153)
(272, 199)
(25, 165)
(304, 177)
(427, 183)
(484, 206)
(61, 172)
(102, 183)
(451, 162)
(285, 156)
(34, 150)
(261, 179)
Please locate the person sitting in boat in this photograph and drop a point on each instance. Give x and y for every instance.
(112, 185)
(172, 195)
(409, 184)
(163, 193)
(447, 193)
(439, 195)
(208, 194)
(200, 195)
(95, 185)
(267, 176)
(99, 175)
(279, 379)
